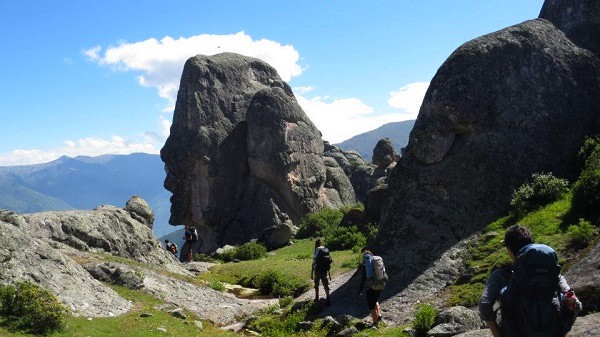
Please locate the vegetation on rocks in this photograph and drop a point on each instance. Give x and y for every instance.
(424, 317)
(27, 307)
(244, 252)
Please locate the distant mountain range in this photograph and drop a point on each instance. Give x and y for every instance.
(364, 143)
(87, 182)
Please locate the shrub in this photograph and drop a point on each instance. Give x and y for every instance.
(424, 317)
(30, 308)
(250, 251)
(273, 282)
(586, 192)
(544, 189)
(244, 252)
(204, 258)
(582, 233)
(313, 224)
(285, 302)
(340, 238)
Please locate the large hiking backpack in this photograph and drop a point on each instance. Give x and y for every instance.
(380, 277)
(531, 302)
(323, 260)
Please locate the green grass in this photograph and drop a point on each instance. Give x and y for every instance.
(291, 261)
(131, 324)
(549, 226)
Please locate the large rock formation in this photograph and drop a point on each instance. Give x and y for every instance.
(502, 106)
(242, 156)
(578, 19)
(583, 276)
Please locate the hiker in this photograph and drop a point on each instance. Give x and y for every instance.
(321, 264)
(190, 237)
(504, 283)
(168, 245)
(374, 276)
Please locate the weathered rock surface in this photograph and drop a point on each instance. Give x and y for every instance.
(139, 209)
(383, 153)
(347, 160)
(242, 156)
(583, 276)
(578, 19)
(477, 138)
(105, 229)
(25, 256)
(455, 320)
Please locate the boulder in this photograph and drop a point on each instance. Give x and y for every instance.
(347, 160)
(455, 320)
(583, 276)
(477, 138)
(242, 156)
(118, 274)
(578, 19)
(276, 237)
(139, 209)
(383, 153)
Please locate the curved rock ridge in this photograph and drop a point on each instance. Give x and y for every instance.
(501, 107)
(578, 19)
(242, 156)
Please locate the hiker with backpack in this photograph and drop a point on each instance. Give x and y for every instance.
(320, 269)
(190, 237)
(535, 300)
(373, 275)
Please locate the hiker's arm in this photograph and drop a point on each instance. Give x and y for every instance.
(494, 329)
(564, 287)
(489, 296)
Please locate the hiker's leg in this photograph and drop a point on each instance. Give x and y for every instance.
(326, 287)
(372, 303)
(317, 277)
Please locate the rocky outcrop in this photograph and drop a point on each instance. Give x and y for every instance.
(583, 276)
(478, 137)
(383, 153)
(578, 19)
(242, 156)
(139, 209)
(25, 256)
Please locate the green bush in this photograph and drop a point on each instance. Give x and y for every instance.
(29, 308)
(273, 282)
(424, 317)
(341, 238)
(244, 252)
(204, 258)
(582, 233)
(542, 190)
(586, 192)
(313, 224)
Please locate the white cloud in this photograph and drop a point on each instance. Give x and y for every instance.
(409, 98)
(343, 118)
(86, 146)
(161, 61)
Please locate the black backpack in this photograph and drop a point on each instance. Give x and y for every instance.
(531, 302)
(323, 260)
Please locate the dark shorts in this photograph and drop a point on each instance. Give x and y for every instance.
(372, 297)
(321, 276)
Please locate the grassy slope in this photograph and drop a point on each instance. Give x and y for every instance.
(548, 225)
(293, 261)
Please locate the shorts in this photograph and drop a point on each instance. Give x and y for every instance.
(372, 298)
(321, 276)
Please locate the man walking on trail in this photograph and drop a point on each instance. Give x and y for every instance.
(321, 264)
(535, 299)
(374, 287)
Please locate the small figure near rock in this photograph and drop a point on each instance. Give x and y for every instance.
(191, 237)
(321, 264)
(374, 276)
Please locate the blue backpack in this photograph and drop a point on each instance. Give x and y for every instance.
(532, 301)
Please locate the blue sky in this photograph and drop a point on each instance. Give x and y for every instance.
(97, 77)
